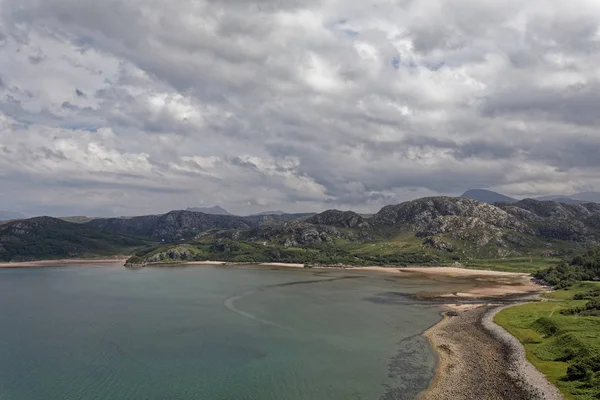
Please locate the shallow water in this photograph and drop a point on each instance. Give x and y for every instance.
(204, 332)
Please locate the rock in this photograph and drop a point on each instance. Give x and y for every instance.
(438, 244)
(340, 219)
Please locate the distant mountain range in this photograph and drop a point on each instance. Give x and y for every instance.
(487, 196)
(276, 212)
(491, 197)
(429, 230)
(7, 215)
(582, 197)
(216, 210)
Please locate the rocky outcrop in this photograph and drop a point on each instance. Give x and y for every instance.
(178, 253)
(552, 209)
(301, 234)
(184, 224)
(340, 219)
(461, 218)
(422, 212)
(438, 243)
(553, 220)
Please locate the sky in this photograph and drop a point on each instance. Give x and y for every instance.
(130, 107)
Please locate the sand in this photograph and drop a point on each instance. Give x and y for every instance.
(204, 263)
(482, 283)
(274, 264)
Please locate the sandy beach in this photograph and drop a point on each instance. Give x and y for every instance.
(478, 284)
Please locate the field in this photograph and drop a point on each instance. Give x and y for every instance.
(554, 341)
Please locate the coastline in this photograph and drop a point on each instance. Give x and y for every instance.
(483, 284)
(491, 364)
(67, 261)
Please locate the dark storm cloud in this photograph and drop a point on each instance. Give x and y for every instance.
(295, 105)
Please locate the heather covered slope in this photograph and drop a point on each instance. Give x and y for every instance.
(51, 238)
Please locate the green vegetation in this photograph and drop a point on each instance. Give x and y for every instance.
(562, 344)
(582, 267)
(591, 308)
(242, 251)
(387, 248)
(514, 264)
(51, 238)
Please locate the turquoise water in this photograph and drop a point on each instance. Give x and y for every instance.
(204, 332)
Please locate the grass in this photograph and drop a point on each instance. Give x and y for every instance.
(554, 341)
(514, 264)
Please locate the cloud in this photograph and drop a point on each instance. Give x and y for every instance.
(135, 106)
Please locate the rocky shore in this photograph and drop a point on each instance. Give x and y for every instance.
(480, 360)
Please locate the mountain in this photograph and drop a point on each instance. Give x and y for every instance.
(341, 219)
(216, 210)
(576, 198)
(487, 196)
(593, 197)
(560, 199)
(8, 215)
(276, 212)
(142, 226)
(274, 219)
(51, 238)
(78, 219)
(175, 225)
(428, 230)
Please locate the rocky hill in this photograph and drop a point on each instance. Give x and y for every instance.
(51, 238)
(431, 229)
(340, 219)
(423, 230)
(175, 225)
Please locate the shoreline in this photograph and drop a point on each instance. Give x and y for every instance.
(491, 364)
(479, 284)
(66, 261)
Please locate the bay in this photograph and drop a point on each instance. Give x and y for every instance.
(211, 332)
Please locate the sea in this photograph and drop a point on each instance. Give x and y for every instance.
(104, 332)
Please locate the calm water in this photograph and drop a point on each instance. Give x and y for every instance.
(104, 332)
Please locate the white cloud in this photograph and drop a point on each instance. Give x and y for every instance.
(293, 105)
